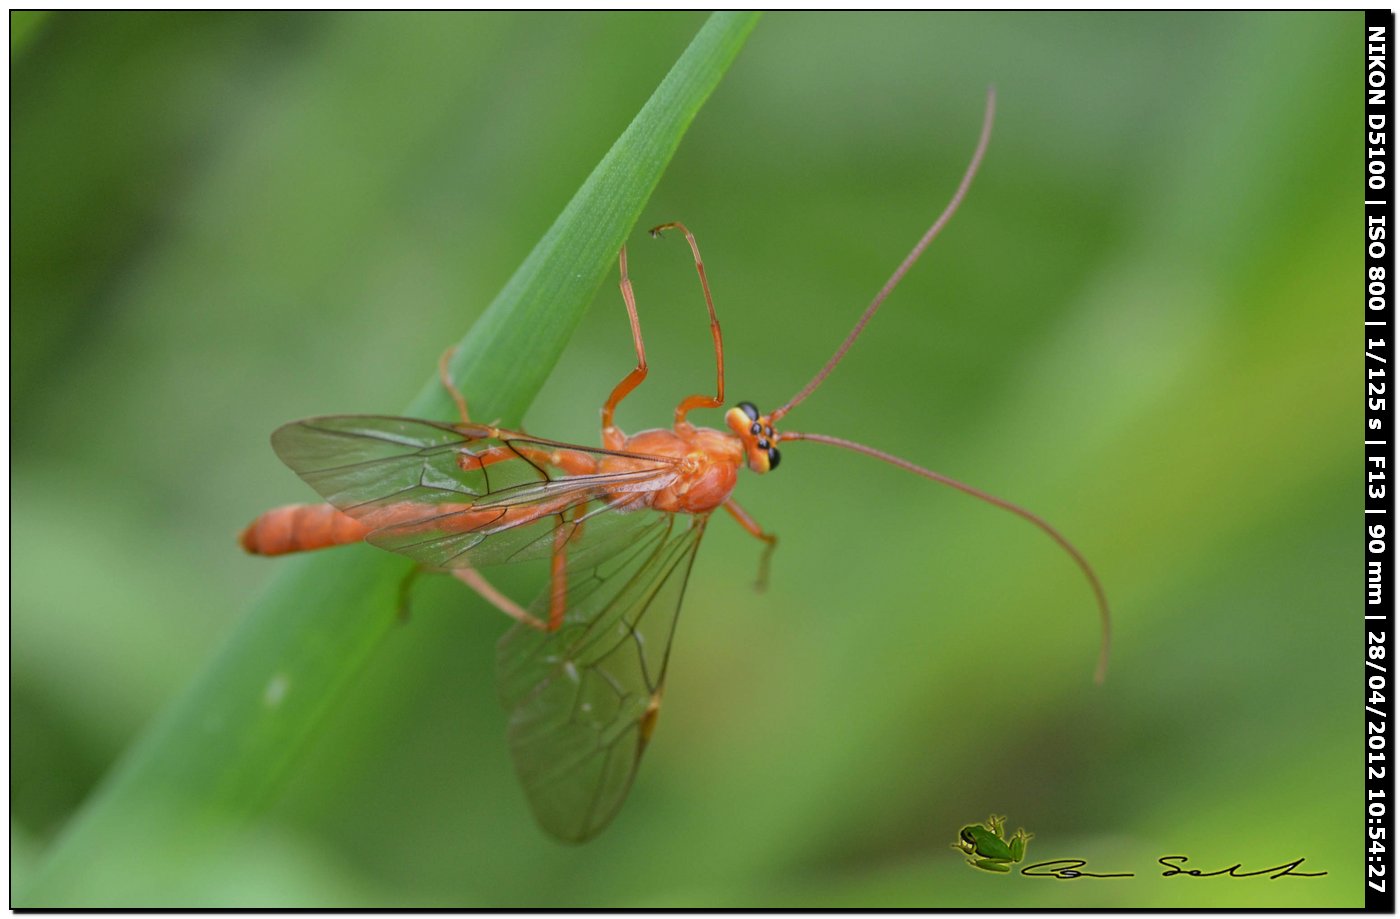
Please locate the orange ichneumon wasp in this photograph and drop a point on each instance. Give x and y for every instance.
(582, 672)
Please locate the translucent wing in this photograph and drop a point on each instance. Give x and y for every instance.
(454, 495)
(583, 700)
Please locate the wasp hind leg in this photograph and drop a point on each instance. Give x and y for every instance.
(488, 592)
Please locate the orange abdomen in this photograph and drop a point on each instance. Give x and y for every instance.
(300, 528)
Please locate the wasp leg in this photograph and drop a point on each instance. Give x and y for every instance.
(474, 579)
(451, 387)
(700, 401)
(612, 437)
(751, 525)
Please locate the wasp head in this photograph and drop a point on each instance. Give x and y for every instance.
(756, 432)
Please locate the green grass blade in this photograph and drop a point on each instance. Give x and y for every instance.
(184, 790)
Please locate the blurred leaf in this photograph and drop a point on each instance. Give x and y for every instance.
(24, 25)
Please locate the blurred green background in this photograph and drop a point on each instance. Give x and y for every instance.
(1142, 325)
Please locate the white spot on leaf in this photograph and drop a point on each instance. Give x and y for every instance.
(276, 690)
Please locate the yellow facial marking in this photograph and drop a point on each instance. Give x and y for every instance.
(756, 433)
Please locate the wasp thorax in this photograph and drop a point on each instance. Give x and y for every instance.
(756, 431)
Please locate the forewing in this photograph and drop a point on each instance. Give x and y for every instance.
(405, 478)
(583, 699)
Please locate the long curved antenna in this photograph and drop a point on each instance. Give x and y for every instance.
(909, 259)
(1102, 669)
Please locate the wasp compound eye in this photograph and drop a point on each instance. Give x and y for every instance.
(748, 408)
(774, 457)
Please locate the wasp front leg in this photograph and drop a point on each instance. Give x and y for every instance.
(613, 438)
(700, 400)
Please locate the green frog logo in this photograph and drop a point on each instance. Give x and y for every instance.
(987, 847)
